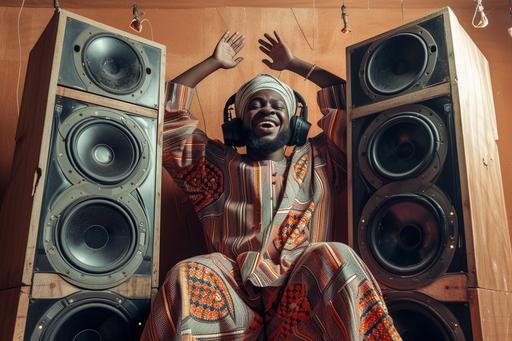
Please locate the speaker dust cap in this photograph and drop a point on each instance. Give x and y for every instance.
(105, 147)
(418, 317)
(403, 143)
(399, 62)
(407, 234)
(90, 316)
(95, 241)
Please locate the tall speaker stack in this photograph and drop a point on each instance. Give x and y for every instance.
(80, 220)
(426, 202)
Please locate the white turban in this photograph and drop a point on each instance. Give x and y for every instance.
(264, 81)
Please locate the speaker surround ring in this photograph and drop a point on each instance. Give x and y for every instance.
(379, 150)
(103, 315)
(407, 234)
(433, 321)
(85, 129)
(91, 35)
(106, 267)
(415, 34)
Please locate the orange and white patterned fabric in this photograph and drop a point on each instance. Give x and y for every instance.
(271, 273)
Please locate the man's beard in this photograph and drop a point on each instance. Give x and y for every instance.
(257, 145)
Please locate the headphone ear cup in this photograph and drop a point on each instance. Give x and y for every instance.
(232, 131)
(300, 130)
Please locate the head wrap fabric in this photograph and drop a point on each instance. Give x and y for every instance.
(264, 81)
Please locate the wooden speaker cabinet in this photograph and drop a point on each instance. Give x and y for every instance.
(79, 242)
(426, 203)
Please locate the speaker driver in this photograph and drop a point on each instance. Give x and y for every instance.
(397, 63)
(90, 316)
(105, 151)
(420, 318)
(97, 235)
(95, 241)
(112, 64)
(105, 147)
(403, 143)
(407, 234)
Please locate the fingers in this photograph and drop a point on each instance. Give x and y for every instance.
(239, 46)
(238, 60)
(225, 36)
(234, 37)
(277, 36)
(265, 44)
(269, 38)
(267, 63)
(265, 51)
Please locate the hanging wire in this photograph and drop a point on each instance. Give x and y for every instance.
(402, 10)
(201, 109)
(19, 61)
(479, 10)
(301, 30)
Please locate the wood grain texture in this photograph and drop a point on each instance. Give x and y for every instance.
(491, 314)
(106, 102)
(413, 97)
(13, 314)
(155, 277)
(177, 4)
(485, 218)
(189, 43)
(50, 285)
(21, 212)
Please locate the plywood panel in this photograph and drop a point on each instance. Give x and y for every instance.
(491, 314)
(256, 3)
(481, 185)
(190, 35)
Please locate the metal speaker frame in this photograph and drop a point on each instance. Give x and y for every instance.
(68, 310)
(414, 276)
(95, 114)
(420, 80)
(65, 264)
(78, 38)
(431, 310)
(424, 171)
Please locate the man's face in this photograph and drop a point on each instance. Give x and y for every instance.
(266, 121)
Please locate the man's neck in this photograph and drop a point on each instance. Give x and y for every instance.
(255, 155)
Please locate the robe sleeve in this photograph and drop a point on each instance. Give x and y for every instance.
(184, 149)
(331, 101)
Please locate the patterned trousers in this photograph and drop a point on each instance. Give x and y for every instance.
(329, 295)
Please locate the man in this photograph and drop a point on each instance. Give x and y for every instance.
(266, 218)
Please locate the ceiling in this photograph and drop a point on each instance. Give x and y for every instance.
(176, 4)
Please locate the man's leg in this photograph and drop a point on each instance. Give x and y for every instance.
(203, 297)
(331, 295)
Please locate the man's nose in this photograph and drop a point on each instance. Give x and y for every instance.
(267, 110)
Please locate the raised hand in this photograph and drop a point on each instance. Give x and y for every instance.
(277, 50)
(227, 48)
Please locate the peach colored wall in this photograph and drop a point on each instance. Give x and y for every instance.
(191, 34)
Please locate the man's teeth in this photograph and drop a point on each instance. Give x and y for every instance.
(266, 124)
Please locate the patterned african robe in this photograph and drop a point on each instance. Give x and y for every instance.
(270, 274)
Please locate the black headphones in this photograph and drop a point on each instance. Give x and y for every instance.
(232, 128)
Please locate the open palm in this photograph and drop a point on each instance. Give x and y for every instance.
(277, 50)
(227, 48)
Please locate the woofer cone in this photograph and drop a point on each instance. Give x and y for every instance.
(419, 318)
(406, 234)
(397, 63)
(112, 64)
(97, 235)
(103, 151)
(402, 147)
(92, 316)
